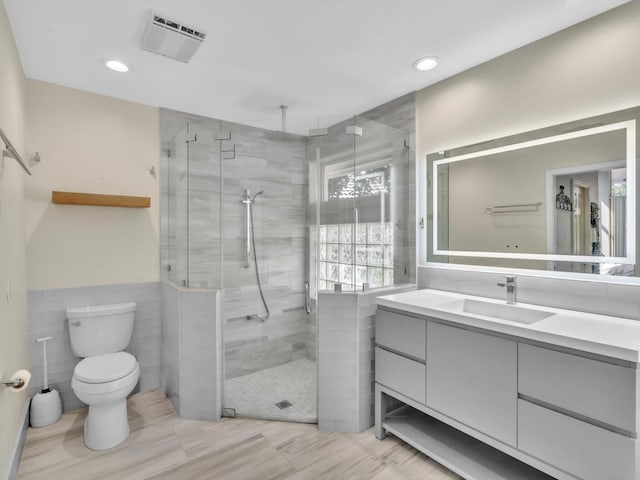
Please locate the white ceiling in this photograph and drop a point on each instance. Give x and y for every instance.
(324, 59)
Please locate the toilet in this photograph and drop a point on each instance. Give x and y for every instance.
(107, 374)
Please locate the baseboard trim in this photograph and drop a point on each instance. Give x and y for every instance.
(18, 445)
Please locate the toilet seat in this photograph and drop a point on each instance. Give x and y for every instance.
(105, 368)
(105, 374)
(104, 389)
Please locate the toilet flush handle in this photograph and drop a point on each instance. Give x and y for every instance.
(75, 324)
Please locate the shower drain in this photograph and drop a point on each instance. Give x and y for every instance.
(284, 404)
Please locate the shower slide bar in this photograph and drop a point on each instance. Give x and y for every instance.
(12, 152)
(248, 233)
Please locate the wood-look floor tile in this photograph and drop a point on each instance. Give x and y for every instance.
(200, 438)
(417, 467)
(282, 433)
(329, 456)
(149, 408)
(251, 459)
(163, 446)
(146, 451)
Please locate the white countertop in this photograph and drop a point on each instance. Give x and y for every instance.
(599, 334)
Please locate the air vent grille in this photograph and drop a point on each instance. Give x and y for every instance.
(171, 38)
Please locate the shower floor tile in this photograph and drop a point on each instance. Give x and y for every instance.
(258, 394)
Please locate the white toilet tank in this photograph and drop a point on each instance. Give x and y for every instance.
(100, 329)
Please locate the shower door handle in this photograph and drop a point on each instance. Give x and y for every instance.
(307, 298)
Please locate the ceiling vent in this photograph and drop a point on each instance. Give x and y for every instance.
(172, 39)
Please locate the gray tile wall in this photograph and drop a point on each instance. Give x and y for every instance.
(265, 160)
(346, 358)
(192, 351)
(200, 358)
(170, 353)
(252, 345)
(587, 296)
(47, 317)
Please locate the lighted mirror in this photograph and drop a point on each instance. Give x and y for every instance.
(561, 198)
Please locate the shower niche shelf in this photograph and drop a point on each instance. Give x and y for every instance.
(99, 200)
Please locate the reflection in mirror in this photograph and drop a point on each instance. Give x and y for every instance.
(561, 198)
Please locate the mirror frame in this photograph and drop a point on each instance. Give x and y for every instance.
(630, 258)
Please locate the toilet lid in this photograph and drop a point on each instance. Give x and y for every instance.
(105, 368)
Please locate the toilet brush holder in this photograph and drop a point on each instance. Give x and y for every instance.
(46, 406)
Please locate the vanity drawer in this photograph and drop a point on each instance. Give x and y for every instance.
(579, 448)
(401, 374)
(600, 391)
(402, 333)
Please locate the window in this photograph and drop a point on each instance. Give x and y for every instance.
(344, 180)
(353, 254)
(367, 183)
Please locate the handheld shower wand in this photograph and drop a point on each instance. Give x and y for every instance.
(251, 243)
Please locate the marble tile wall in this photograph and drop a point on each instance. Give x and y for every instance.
(47, 317)
(346, 331)
(622, 300)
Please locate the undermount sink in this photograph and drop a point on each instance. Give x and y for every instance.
(502, 311)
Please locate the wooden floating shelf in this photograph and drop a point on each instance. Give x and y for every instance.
(99, 200)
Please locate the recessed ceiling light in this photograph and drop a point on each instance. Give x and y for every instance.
(425, 63)
(117, 66)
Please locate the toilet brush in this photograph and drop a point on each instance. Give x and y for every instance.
(46, 407)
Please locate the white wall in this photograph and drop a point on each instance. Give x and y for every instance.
(95, 144)
(583, 71)
(13, 309)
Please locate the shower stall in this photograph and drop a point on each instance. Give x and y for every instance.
(268, 219)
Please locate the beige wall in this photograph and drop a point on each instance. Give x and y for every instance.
(583, 71)
(95, 144)
(13, 309)
(586, 70)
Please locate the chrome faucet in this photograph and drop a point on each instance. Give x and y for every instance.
(510, 284)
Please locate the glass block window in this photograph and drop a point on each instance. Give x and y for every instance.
(368, 260)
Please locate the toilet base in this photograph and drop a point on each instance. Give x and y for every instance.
(106, 425)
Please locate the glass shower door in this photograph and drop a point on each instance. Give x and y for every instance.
(177, 219)
(364, 225)
(384, 203)
(269, 362)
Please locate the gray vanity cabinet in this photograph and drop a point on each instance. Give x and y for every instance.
(569, 413)
(577, 413)
(584, 450)
(400, 353)
(597, 390)
(402, 334)
(472, 377)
